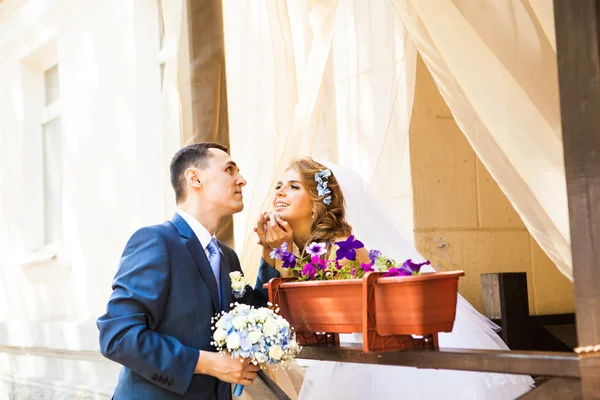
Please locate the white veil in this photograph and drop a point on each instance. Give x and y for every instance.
(378, 229)
(375, 227)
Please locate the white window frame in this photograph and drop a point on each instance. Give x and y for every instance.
(162, 48)
(38, 252)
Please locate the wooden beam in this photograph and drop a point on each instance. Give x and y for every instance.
(552, 319)
(577, 45)
(208, 82)
(555, 389)
(514, 362)
(505, 297)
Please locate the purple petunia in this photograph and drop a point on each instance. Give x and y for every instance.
(289, 260)
(412, 267)
(277, 254)
(309, 270)
(407, 269)
(316, 249)
(367, 267)
(398, 272)
(347, 248)
(373, 255)
(319, 263)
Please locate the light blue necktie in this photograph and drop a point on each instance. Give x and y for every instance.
(214, 258)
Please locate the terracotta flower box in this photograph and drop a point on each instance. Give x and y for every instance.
(386, 310)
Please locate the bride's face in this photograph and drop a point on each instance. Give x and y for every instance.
(291, 200)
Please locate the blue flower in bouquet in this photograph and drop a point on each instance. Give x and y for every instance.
(277, 254)
(245, 343)
(316, 249)
(327, 200)
(347, 248)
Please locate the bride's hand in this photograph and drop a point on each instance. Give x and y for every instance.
(261, 228)
(278, 232)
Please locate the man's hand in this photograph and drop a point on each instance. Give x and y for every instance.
(226, 369)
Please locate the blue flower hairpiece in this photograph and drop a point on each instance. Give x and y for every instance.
(322, 190)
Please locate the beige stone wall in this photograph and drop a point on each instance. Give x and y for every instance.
(462, 218)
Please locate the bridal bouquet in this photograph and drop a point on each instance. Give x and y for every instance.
(258, 334)
(315, 265)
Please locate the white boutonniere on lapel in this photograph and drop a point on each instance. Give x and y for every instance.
(238, 284)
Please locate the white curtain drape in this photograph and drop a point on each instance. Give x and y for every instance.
(336, 80)
(329, 79)
(495, 65)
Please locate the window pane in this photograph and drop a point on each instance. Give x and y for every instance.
(51, 87)
(52, 181)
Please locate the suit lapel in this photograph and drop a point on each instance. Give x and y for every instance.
(225, 282)
(193, 244)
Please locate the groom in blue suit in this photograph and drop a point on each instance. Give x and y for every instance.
(172, 279)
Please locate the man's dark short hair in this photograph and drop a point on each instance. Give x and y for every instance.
(193, 155)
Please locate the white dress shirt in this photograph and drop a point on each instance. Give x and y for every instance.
(200, 231)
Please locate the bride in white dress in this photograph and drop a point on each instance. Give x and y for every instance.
(301, 212)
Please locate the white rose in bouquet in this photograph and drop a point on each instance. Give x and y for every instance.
(233, 341)
(220, 335)
(276, 352)
(270, 328)
(239, 322)
(254, 336)
(283, 323)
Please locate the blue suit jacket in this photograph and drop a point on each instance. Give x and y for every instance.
(159, 314)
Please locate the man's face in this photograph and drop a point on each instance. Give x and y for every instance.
(222, 183)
